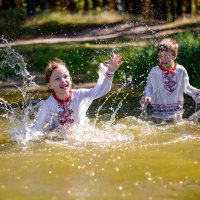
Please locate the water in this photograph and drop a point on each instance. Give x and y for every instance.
(116, 156)
(144, 114)
(137, 160)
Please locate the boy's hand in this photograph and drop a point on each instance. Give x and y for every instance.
(114, 63)
(145, 100)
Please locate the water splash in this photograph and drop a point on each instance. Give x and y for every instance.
(196, 115)
(82, 137)
(18, 113)
(143, 114)
(14, 59)
(119, 105)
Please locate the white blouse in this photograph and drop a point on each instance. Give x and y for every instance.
(166, 90)
(51, 113)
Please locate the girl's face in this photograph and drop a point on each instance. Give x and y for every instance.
(166, 59)
(60, 82)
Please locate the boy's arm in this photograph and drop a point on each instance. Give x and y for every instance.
(193, 92)
(190, 90)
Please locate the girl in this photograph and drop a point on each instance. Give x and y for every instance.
(67, 106)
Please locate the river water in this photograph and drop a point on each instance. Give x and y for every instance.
(128, 158)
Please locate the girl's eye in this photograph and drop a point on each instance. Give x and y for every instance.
(65, 76)
(57, 79)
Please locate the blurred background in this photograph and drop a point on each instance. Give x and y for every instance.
(154, 9)
(85, 32)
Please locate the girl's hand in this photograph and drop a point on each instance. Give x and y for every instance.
(114, 63)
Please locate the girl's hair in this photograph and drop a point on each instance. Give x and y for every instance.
(51, 66)
(168, 44)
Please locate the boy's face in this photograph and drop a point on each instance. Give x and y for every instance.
(166, 58)
(60, 81)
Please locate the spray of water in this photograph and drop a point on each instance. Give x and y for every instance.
(143, 114)
(19, 114)
(114, 134)
(196, 115)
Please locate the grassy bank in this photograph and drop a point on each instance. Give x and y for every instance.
(53, 23)
(82, 60)
(15, 25)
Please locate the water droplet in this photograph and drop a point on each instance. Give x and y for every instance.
(120, 187)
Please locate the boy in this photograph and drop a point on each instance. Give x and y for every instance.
(166, 84)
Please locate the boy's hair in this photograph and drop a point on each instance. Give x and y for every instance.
(51, 66)
(168, 44)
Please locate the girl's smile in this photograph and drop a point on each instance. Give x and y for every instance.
(60, 82)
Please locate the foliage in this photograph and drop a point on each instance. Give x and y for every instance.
(161, 10)
(12, 16)
(189, 55)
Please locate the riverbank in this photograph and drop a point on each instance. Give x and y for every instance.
(136, 33)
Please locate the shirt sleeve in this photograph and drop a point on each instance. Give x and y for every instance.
(41, 118)
(103, 86)
(190, 90)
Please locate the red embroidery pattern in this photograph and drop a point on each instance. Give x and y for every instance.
(64, 110)
(65, 115)
(169, 78)
(170, 81)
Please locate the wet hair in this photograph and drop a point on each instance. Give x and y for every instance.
(51, 66)
(168, 44)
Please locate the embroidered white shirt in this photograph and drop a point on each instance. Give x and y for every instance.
(167, 89)
(50, 113)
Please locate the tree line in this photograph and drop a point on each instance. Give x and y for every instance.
(147, 9)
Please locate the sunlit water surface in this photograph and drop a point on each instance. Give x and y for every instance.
(131, 159)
